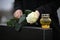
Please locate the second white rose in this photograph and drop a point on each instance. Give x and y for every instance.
(32, 17)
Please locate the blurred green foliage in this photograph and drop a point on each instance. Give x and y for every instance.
(18, 23)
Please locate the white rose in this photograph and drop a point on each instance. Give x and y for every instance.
(32, 17)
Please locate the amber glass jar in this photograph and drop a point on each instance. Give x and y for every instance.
(45, 21)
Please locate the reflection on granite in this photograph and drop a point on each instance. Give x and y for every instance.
(3, 24)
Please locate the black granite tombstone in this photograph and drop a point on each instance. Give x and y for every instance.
(27, 33)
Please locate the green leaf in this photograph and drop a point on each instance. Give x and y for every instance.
(17, 27)
(23, 18)
(27, 12)
(11, 22)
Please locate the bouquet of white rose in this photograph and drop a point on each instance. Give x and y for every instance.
(27, 17)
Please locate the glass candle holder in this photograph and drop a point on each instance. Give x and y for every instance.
(45, 21)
